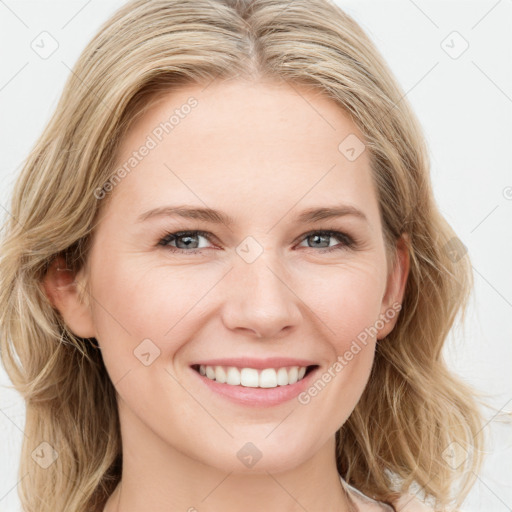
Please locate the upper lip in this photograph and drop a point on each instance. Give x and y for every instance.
(248, 362)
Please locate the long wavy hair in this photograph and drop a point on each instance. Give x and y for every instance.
(413, 411)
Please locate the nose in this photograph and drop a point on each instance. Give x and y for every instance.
(260, 300)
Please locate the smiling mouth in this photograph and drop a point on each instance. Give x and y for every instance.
(254, 378)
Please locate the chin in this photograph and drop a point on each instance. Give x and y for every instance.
(259, 456)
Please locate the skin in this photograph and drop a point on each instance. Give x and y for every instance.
(262, 153)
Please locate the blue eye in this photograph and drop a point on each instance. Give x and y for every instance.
(322, 236)
(185, 238)
(189, 244)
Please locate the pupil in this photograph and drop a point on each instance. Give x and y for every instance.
(187, 238)
(317, 237)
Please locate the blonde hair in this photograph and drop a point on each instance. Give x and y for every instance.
(413, 408)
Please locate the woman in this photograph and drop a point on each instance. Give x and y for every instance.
(180, 338)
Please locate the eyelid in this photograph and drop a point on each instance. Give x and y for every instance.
(327, 231)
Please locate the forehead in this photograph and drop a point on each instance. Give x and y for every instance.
(243, 143)
(274, 113)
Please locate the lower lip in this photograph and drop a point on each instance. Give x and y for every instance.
(258, 397)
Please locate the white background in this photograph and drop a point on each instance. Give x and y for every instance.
(465, 107)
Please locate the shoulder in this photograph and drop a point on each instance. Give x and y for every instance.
(410, 503)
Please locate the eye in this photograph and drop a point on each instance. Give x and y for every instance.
(323, 236)
(187, 241)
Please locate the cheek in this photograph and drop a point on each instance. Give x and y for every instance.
(140, 308)
(347, 301)
(348, 305)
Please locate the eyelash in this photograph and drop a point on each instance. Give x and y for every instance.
(347, 241)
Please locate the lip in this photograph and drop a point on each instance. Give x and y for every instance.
(257, 364)
(258, 397)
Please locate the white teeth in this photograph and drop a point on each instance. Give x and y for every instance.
(220, 374)
(293, 374)
(233, 376)
(268, 378)
(249, 377)
(252, 378)
(282, 376)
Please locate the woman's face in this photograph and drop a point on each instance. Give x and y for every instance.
(265, 289)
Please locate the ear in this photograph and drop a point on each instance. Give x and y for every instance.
(397, 280)
(67, 294)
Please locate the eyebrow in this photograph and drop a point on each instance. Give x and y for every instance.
(217, 217)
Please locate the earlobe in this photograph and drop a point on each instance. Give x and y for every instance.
(64, 293)
(395, 289)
